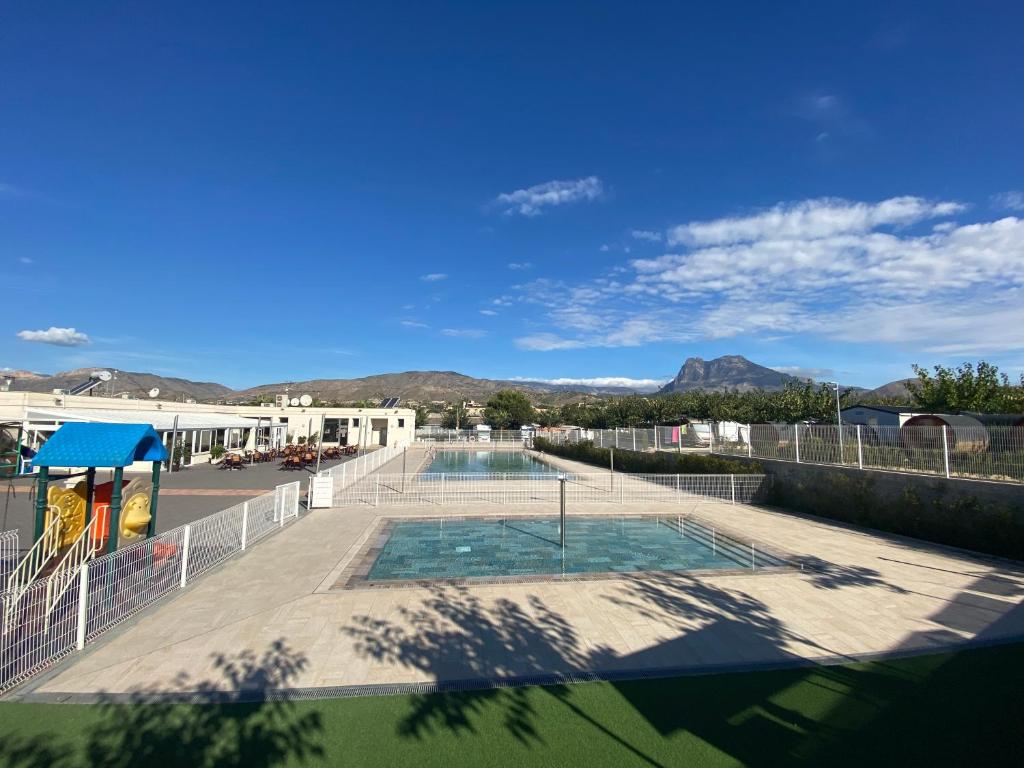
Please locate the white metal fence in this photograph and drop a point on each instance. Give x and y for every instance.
(8, 555)
(989, 453)
(984, 453)
(353, 471)
(113, 588)
(509, 488)
(472, 436)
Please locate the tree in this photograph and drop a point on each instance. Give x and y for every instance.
(966, 388)
(454, 416)
(508, 409)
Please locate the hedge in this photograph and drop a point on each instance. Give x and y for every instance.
(661, 463)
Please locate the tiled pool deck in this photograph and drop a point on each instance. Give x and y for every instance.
(859, 594)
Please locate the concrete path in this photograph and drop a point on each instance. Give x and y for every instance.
(859, 594)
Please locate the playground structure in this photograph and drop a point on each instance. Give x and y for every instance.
(72, 525)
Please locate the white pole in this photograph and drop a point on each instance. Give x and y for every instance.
(279, 501)
(711, 437)
(83, 605)
(732, 485)
(839, 423)
(750, 442)
(796, 432)
(655, 437)
(174, 442)
(245, 523)
(320, 441)
(945, 451)
(184, 553)
(376, 492)
(860, 450)
(634, 438)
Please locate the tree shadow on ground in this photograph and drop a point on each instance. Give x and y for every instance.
(140, 729)
(826, 575)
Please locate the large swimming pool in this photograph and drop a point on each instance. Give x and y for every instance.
(482, 462)
(493, 547)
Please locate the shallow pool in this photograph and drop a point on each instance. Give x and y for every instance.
(482, 462)
(494, 547)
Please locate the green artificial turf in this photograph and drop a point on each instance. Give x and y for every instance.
(963, 708)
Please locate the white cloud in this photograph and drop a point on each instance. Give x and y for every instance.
(646, 234)
(488, 312)
(464, 333)
(25, 260)
(519, 265)
(840, 270)
(532, 200)
(643, 385)
(1010, 201)
(810, 219)
(414, 324)
(433, 277)
(604, 248)
(61, 337)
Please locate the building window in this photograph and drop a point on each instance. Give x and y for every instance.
(401, 423)
(205, 436)
(355, 422)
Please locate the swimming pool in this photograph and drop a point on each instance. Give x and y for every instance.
(483, 548)
(483, 462)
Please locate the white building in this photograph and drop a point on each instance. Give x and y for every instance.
(201, 426)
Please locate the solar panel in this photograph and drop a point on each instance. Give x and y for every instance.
(389, 402)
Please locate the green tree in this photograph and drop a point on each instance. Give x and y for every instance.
(454, 416)
(508, 409)
(965, 388)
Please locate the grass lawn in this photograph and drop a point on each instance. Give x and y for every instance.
(963, 708)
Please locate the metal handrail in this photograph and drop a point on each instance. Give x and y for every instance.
(82, 551)
(45, 548)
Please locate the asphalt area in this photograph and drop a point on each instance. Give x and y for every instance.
(186, 495)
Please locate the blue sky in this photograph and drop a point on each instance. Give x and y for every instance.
(255, 192)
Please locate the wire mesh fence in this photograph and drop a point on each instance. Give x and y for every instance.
(994, 452)
(8, 556)
(520, 488)
(515, 436)
(353, 471)
(115, 587)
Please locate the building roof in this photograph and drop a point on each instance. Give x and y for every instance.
(100, 445)
(884, 408)
(160, 420)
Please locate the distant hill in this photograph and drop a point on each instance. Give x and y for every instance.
(134, 383)
(894, 390)
(424, 386)
(725, 373)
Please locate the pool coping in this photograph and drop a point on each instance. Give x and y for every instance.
(353, 576)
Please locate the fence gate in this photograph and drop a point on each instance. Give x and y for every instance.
(286, 502)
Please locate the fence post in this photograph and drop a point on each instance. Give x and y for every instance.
(732, 486)
(945, 451)
(750, 442)
(633, 429)
(376, 492)
(860, 450)
(711, 437)
(295, 505)
(796, 432)
(83, 605)
(279, 502)
(184, 553)
(656, 437)
(245, 523)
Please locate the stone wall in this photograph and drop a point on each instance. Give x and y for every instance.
(973, 514)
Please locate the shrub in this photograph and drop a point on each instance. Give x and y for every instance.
(661, 463)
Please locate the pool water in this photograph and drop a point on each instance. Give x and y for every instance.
(495, 547)
(480, 462)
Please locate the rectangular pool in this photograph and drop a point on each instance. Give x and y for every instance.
(481, 548)
(483, 462)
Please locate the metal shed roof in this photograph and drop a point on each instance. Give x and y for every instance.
(162, 421)
(100, 445)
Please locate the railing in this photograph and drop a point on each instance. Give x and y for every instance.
(8, 555)
(77, 555)
(509, 488)
(41, 626)
(982, 453)
(36, 558)
(353, 471)
(472, 436)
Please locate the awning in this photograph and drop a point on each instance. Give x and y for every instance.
(101, 445)
(161, 421)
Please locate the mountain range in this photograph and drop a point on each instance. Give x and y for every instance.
(729, 372)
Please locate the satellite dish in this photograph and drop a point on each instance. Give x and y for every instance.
(154, 392)
(102, 375)
(294, 401)
(305, 401)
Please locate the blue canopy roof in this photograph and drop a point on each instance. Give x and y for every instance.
(79, 444)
